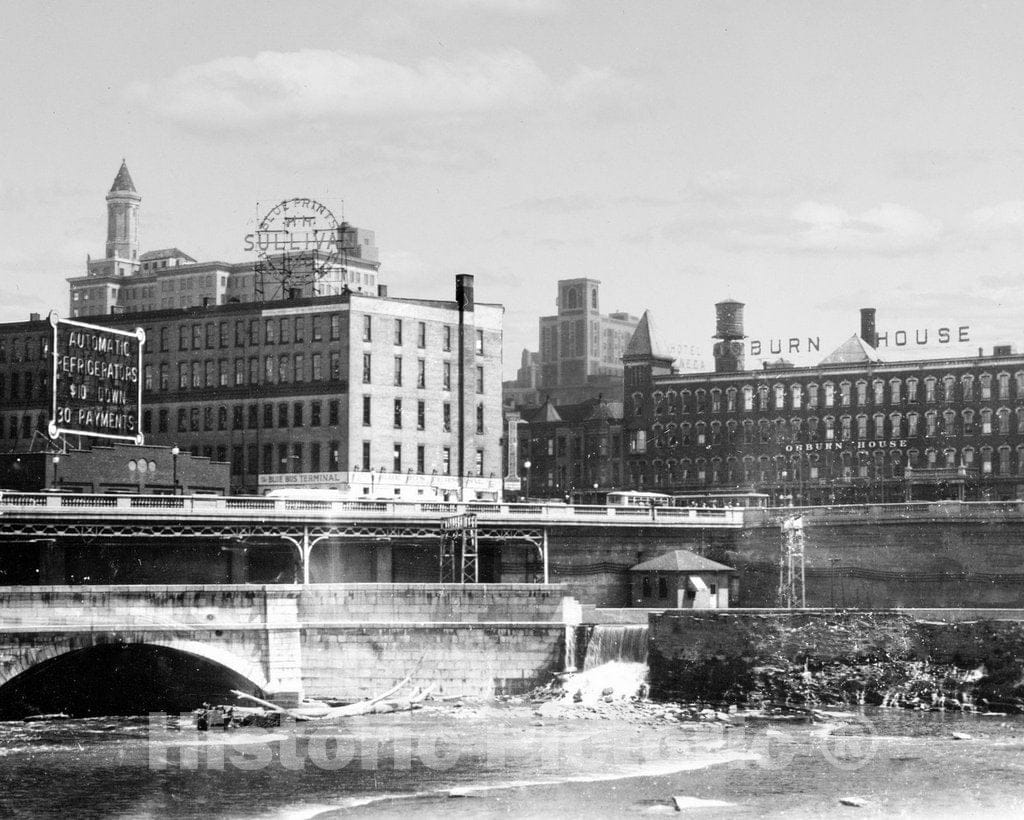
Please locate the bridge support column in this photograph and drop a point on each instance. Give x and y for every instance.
(383, 570)
(284, 647)
(239, 567)
(52, 569)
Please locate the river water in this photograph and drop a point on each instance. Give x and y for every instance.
(505, 760)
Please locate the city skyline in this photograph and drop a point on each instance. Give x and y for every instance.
(806, 159)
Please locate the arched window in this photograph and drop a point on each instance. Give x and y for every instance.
(896, 425)
(1003, 414)
(879, 420)
(894, 391)
(878, 389)
(967, 386)
(948, 383)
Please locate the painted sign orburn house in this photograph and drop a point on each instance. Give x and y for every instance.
(851, 429)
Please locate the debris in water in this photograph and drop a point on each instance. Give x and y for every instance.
(686, 802)
(857, 802)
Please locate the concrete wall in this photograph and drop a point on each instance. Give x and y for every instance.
(594, 567)
(706, 655)
(922, 563)
(334, 640)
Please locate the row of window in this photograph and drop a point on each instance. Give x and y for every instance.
(282, 369)
(998, 461)
(748, 398)
(286, 415)
(314, 457)
(895, 425)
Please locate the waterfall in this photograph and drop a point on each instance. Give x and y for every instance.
(626, 643)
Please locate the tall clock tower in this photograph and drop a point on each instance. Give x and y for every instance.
(123, 217)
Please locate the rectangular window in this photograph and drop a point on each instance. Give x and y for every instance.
(479, 343)
(237, 417)
(397, 464)
(447, 338)
(314, 457)
(335, 366)
(366, 368)
(268, 416)
(297, 413)
(335, 327)
(398, 331)
(300, 367)
(480, 380)
(239, 372)
(318, 367)
(282, 414)
(446, 376)
(318, 328)
(332, 412)
(421, 335)
(479, 419)
(182, 375)
(366, 411)
(254, 417)
(270, 332)
(285, 332)
(367, 328)
(314, 414)
(421, 459)
(268, 458)
(446, 418)
(398, 371)
(223, 373)
(398, 413)
(334, 455)
(421, 373)
(421, 415)
(366, 455)
(254, 370)
(162, 420)
(446, 461)
(479, 462)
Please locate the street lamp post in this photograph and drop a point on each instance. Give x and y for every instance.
(526, 476)
(56, 466)
(175, 452)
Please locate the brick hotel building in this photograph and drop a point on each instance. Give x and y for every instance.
(330, 384)
(851, 429)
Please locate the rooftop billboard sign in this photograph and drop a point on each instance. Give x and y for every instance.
(97, 385)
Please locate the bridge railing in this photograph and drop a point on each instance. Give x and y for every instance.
(236, 506)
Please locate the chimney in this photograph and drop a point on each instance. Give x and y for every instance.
(464, 291)
(867, 326)
(382, 290)
(34, 317)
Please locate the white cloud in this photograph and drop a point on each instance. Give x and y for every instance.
(313, 86)
(887, 228)
(1003, 218)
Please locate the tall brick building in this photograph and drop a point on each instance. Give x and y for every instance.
(355, 390)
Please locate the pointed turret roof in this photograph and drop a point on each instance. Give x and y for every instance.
(853, 351)
(645, 343)
(123, 180)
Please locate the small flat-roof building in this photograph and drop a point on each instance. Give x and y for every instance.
(682, 580)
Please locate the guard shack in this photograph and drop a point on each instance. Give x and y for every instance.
(682, 580)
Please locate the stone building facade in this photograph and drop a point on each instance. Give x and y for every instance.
(852, 428)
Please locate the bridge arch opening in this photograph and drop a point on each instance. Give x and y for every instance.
(120, 679)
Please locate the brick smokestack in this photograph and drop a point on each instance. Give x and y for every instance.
(867, 326)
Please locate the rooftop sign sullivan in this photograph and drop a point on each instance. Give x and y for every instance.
(97, 385)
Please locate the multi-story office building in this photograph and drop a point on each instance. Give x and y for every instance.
(852, 428)
(358, 391)
(580, 353)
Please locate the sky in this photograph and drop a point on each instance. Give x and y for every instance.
(805, 158)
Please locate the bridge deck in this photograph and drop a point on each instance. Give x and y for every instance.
(55, 507)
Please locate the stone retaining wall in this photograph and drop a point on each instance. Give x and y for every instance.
(707, 654)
